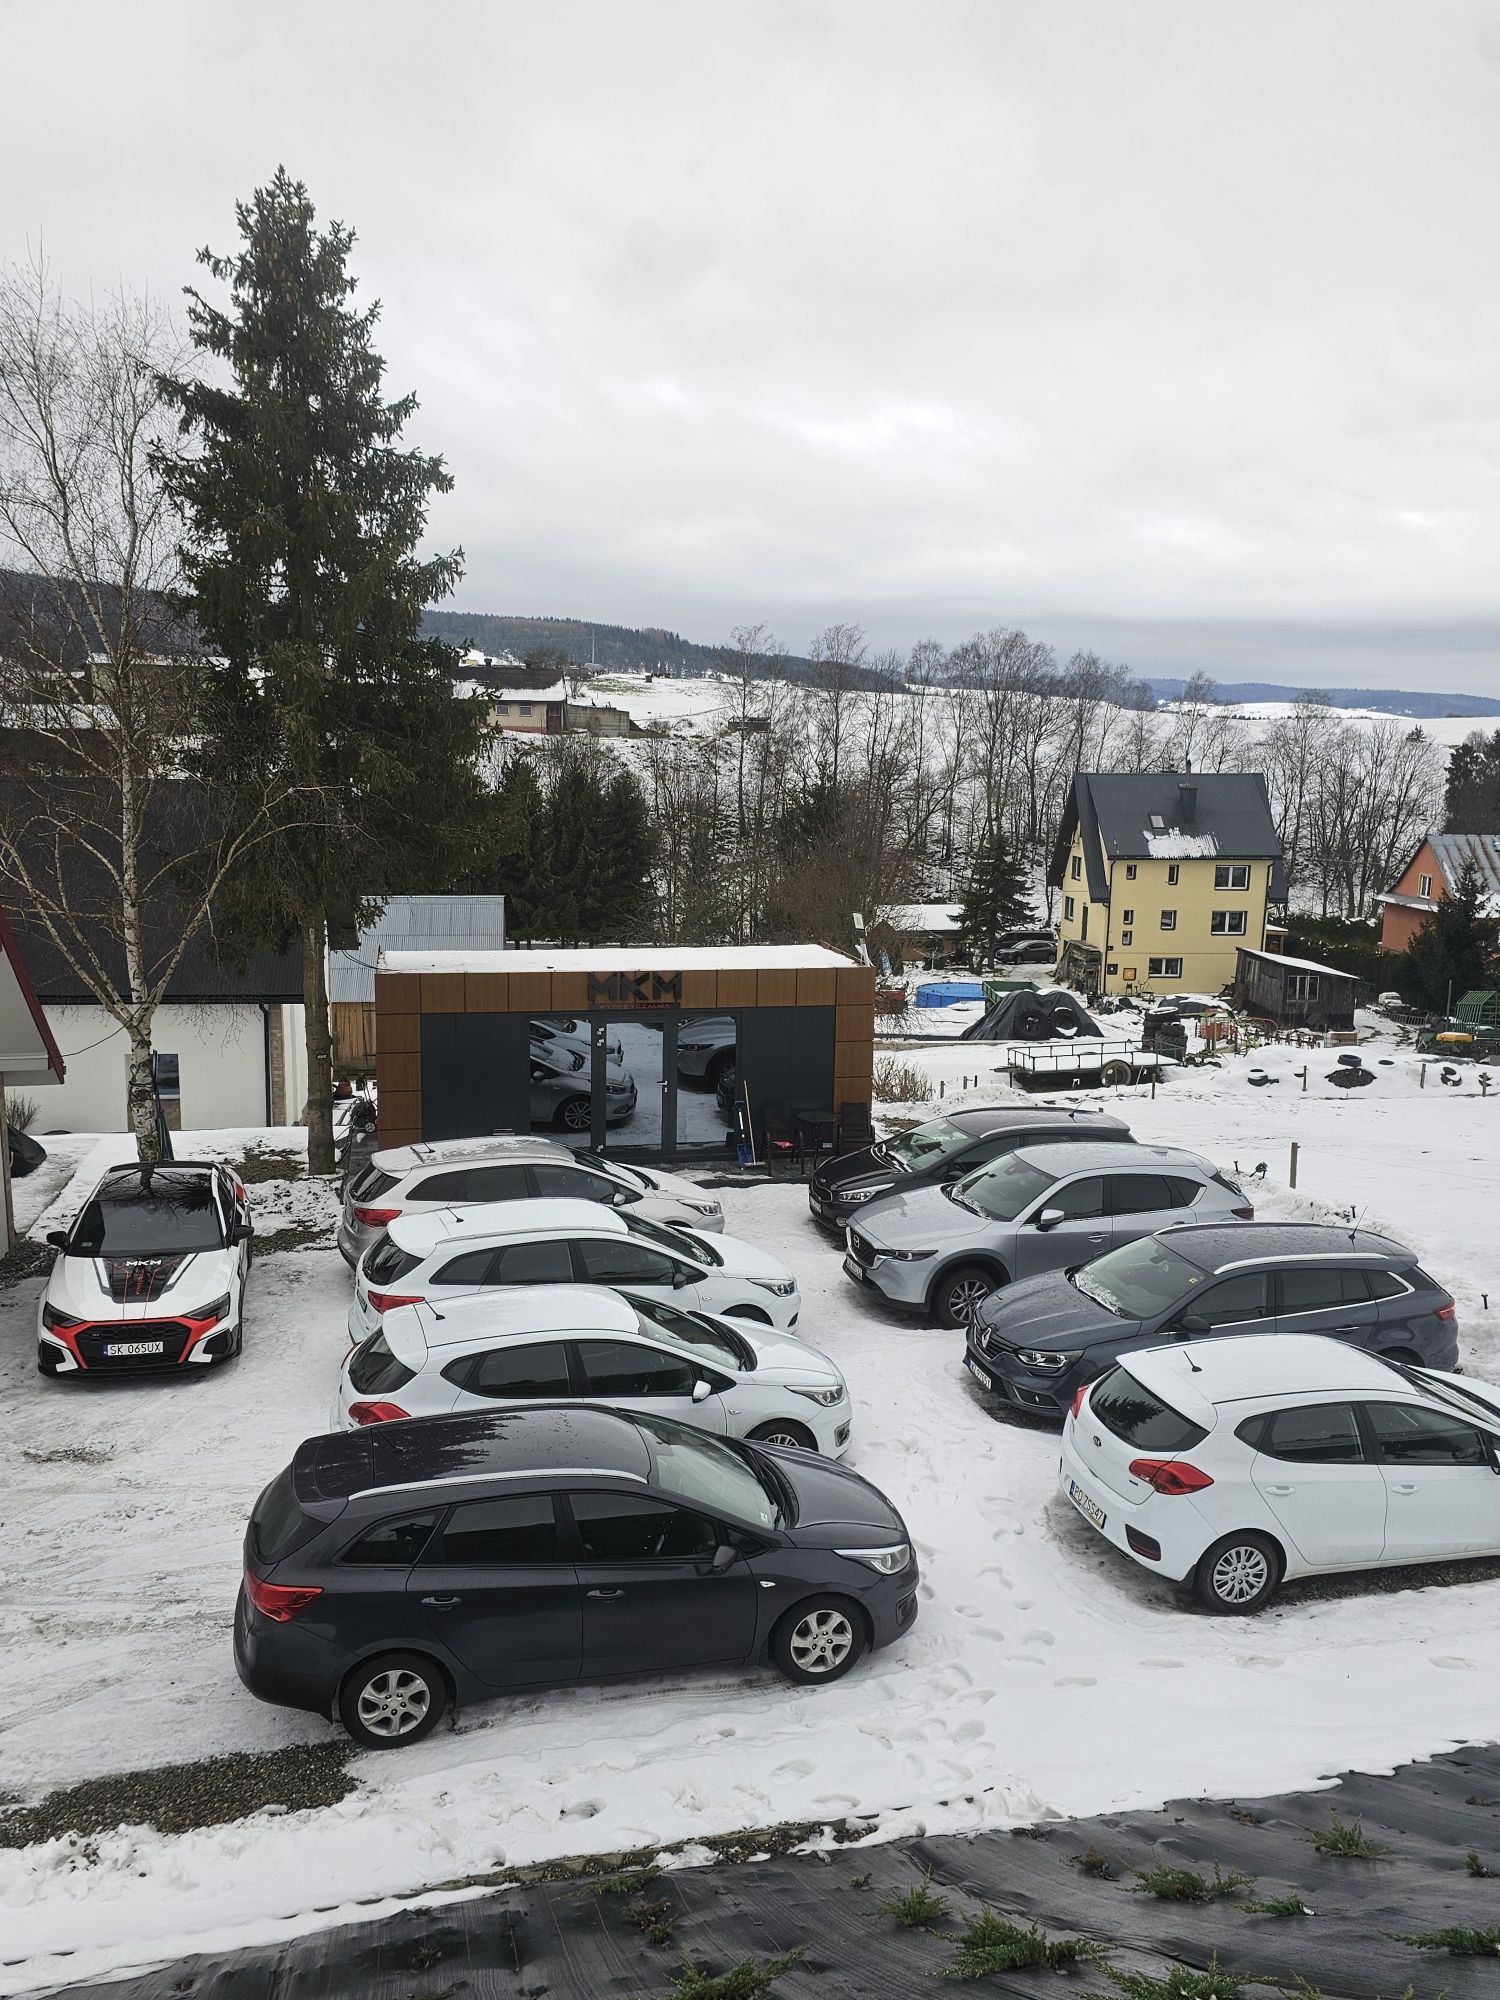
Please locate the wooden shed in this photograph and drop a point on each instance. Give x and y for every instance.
(1295, 992)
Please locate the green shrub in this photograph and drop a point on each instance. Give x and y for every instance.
(1185, 1885)
(993, 1944)
(917, 1908)
(1346, 1839)
(1290, 1905)
(1214, 1982)
(746, 1981)
(1460, 1942)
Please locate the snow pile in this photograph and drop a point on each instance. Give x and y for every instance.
(1175, 845)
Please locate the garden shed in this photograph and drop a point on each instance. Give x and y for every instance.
(1295, 992)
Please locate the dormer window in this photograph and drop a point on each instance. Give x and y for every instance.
(1158, 824)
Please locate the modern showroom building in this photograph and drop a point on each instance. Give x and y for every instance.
(636, 1050)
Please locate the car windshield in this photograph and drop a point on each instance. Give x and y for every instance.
(692, 1247)
(626, 1176)
(659, 1321)
(1002, 1189)
(708, 1474)
(147, 1216)
(926, 1145)
(1139, 1280)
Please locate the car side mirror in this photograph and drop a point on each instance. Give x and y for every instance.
(724, 1558)
(1192, 1324)
(679, 1278)
(1049, 1219)
(702, 1390)
(240, 1232)
(621, 1198)
(58, 1238)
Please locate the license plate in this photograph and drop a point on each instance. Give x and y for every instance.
(980, 1374)
(135, 1347)
(855, 1268)
(819, 1207)
(1090, 1509)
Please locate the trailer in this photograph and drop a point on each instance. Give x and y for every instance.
(1083, 1064)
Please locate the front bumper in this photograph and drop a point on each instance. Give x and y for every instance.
(1002, 1374)
(898, 1281)
(619, 1105)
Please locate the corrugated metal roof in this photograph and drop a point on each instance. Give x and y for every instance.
(1453, 850)
(415, 923)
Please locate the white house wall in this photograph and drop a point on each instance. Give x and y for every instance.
(221, 1052)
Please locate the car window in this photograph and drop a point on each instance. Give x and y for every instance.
(539, 1368)
(630, 1527)
(374, 1370)
(1233, 1300)
(1003, 1189)
(277, 1524)
(533, 1264)
(1139, 1280)
(452, 1186)
(1134, 1413)
(151, 1214)
(927, 1145)
(1405, 1434)
(574, 1183)
(1079, 1200)
(397, 1543)
(621, 1368)
(385, 1263)
(1139, 1194)
(1312, 1290)
(1385, 1285)
(497, 1184)
(659, 1321)
(696, 1249)
(370, 1183)
(473, 1268)
(616, 1260)
(1318, 1434)
(519, 1529)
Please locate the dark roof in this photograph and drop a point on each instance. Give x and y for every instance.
(982, 1119)
(519, 680)
(1213, 1246)
(268, 977)
(545, 1438)
(1202, 814)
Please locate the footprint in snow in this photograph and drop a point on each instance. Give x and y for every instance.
(798, 1768)
(1025, 1603)
(1452, 1661)
(1037, 1638)
(1024, 1660)
(583, 1809)
(994, 1570)
(966, 1732)
(1076, 1681)
(968, 1610)
(1163, 1663)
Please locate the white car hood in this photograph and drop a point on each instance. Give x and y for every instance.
(781, 1357)
(741, 1260)
(80, 1285)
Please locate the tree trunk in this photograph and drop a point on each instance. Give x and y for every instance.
(320, 1159)
(141, 1093)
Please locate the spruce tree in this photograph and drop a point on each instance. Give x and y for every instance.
(994, 898)
(304, 515)
(521, 870)
(1450, 955)
(624, 883)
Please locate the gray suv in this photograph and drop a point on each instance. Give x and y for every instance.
(1039, 1343)
(941, 1251)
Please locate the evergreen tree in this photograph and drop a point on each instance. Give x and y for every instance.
(1450, 954)
(575, 847)
(521, 871)
(1472, 798)
(624, 882)
(994, 899)
(304, 517)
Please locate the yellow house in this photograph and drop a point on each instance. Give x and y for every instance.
(1163, 877)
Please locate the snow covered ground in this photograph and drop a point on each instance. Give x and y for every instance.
(1044, 1676)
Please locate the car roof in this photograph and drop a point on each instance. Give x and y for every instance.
(400, 1160)
(134, 1173)
(470, 1447)
(504, 1312)
(498, 1221)
(983, 1119)
(1205, 1374)
(1224, 1246)
(1094, 1155)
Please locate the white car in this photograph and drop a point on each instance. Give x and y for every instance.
(449, 1173)
(151, 1275)
(558, 1342)
(1233, 1464)
(432, 1258)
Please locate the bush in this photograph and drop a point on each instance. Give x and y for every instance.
(1185, 1885)
(916, 1908)
(21, 1112)
(1350, 944)
(900, 1082)
(993, 1944)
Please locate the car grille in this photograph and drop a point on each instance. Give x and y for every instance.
(991, 1343)
(140, 1280)
(861, 1248)
(93, 1340)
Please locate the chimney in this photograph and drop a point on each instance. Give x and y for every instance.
(1187, 803)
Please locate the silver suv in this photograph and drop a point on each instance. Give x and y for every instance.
(941, 1251)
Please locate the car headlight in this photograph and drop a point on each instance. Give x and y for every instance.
(863, 1194)
(52, 1317)
(889, 1561)
(1050, 1360)
(906, 1256)
(782, 1287)
(824, 1398)
(218, 1310)
(704, 1207)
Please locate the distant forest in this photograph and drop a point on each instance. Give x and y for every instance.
(613, 648)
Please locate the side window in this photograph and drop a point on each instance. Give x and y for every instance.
(1356, 1286)
(1139, 1194)
(1079, 1200)
(473, 1268)
(1385, 1285)
(452, 1186)
(1233, 1301)
(1320, 1434)
(396, 1543)
(533, 1264)
(1312, 1290)
(621, 1261)
(519, 1529)
(630, 1527)
(574, 1183)
(1408, 1435)
(537, 1369)
(620, 1368)
(497, 1184)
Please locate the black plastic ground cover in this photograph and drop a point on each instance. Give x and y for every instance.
(564, 1941)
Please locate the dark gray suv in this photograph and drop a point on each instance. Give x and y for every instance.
(391, 1571)
(1038, 1343)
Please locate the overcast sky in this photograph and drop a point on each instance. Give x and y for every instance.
(1165, 326)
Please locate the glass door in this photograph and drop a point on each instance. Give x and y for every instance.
(632, 1076)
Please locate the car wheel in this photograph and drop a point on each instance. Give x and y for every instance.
(795, 1436)
(959, 1294)
(715, 1070)
(577, 1115)
(1239, 1574)
(819, 1641)
(394, 1699)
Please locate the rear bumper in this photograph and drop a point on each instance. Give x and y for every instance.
(282, 1665)
(1173, 1525)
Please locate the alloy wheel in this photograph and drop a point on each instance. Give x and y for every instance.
(394, 1703)
(579, 1115)
(1241, 1574)
(965, 1300)
(785, 1439)
(821, 1641)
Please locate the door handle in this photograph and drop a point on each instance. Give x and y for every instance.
(1281, 1489)
(606, 1596)
(441, 1603)
(1404, 1488)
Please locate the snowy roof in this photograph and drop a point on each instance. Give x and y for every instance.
(922, 916)
(1454, 851)
(1170, 816)
(1296, 964)
(553, 691)
(446, 923)
(1180, 846)
(621, 958)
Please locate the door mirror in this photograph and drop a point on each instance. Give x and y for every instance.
(1190, 1325)
(702, 1390)
(58, 1238)
(240, 1232)
(621, 1198)
(1049, 1218)
(680, 1278)
(724, 1558)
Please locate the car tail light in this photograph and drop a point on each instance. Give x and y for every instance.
(375, 1413)
(1078, 1395)
(1446, 1310)
(1245, 1214)
(375, 1218)
(280, 1601)
(1170, 1475)
(382, 1302)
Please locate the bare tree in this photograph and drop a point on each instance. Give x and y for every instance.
(838, 655)
(104, 847)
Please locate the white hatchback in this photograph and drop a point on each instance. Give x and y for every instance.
(558, 1342)
(453, 1251)
(1232, 1464)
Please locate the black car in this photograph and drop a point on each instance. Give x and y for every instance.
(942, 1150)
(1030, 951)
(1040, 1342)
(391, 1571)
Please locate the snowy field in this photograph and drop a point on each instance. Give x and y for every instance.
(1045, 1676)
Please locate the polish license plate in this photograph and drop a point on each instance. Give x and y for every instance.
(123, 1347)
(981, 1375)
(819, 1207)
(1090, 1509)
(855, 1269)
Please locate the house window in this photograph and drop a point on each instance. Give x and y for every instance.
(1232, 875)
(525, 708)
(167, 1071)
(1173, 874)
(1075, 868)
(1164, 968)
(1127, 916)
(1067, 909)
(1424, 885)
(1127, 937)
(1229, 923)
(1169, 920)
(1129, 871)
(1303, 986)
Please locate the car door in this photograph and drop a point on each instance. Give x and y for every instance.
(497, 1184)
(548, 1262)
(1321, 1298)
(624, 1260)
(1314, 1475)
(1140, 1204)
(1081, 1235)
(497, 1588)
(652, 1602)
(1241, 1303)
(522, 1371)
(632, 1375)
(1442, 1492)
(577, 1183)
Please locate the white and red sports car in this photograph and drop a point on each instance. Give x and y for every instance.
(151, 1275)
